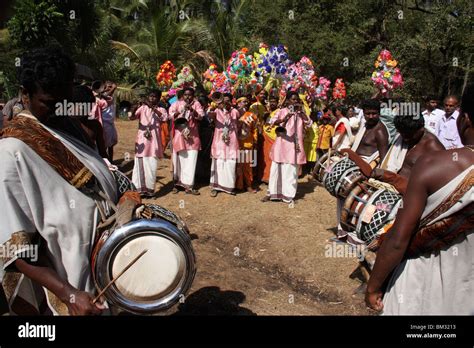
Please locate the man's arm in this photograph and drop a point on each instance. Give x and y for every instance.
(382, 141)
(77, 302)
(395, 244)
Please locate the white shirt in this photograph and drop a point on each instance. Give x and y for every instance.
(447, 131)
(432, 118)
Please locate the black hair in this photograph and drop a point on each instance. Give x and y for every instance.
(189, 89)
(467, 102)
(180, 93)
(430, 97)
(156, 92)
(47, 68)
(96, 85)
(291, 94)
(203, 99)
(370, 104)
(408, 123)
(228, 95)
(82, 94)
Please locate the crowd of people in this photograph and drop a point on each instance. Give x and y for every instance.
(56, 185)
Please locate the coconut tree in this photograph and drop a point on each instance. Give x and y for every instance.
(165, 34)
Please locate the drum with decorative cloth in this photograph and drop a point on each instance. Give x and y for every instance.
(124, 184)
(337, 173)
(369, 209)
(161, 277)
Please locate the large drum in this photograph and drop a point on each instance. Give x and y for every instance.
(337, 173)
(161, 277)
(368, 210)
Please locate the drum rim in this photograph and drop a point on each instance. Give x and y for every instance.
(146, 227)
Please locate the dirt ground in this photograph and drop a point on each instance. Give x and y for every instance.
(258, 258)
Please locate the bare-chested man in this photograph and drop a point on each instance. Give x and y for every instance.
(413, 141)
(430, 246)
(371, 142)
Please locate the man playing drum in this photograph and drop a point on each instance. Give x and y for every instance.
(370, 144)
(413, 141)
(49, 187)
(372, 139)
(430, 247)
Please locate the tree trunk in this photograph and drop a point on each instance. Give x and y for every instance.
(466, 75)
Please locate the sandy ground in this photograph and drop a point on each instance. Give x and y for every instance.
(258, 258)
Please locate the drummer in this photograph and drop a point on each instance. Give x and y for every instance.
(413, 141)
(372, 140)
(42, 200)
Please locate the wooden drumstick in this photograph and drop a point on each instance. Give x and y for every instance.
(118, 276)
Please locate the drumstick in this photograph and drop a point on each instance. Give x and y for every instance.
(118, 276)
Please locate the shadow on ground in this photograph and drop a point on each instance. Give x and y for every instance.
(212, 300)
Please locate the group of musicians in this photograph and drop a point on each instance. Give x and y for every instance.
(56, 189)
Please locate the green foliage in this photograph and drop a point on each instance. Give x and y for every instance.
(35, 23)
(432, 40)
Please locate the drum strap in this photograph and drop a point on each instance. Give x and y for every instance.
(28, 129)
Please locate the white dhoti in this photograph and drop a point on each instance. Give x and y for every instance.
(144, 174)
(223, 175)
(283, 181)
(440, 282)
(184, 168)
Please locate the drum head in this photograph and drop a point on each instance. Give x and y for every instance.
(159, 278)
(155, 274)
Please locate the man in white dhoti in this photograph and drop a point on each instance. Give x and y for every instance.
(225, 146)
(148, 146)
(287, 152)
(430, 247)
(186, 143)
(48, 197)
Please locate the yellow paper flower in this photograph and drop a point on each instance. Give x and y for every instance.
(386, 74)
(392, 63)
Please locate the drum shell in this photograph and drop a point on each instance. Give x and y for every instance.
(356, 206)
(103, 257)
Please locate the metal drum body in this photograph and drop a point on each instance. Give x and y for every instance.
(160, 277)
(368, 209)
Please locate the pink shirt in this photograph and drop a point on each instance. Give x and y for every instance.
(148, 119)
(193, 142)
(283, 149)
(220, 149)
(96, 112)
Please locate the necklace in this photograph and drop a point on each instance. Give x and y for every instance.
(470, 147)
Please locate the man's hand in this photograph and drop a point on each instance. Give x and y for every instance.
(373, 300)
(80, 303)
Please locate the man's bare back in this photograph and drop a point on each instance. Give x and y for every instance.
(428, 143)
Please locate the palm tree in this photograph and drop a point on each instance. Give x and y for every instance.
(162, 36)
(225, 23)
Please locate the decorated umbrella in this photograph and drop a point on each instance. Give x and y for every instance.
(386, 76)
(166, 75)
